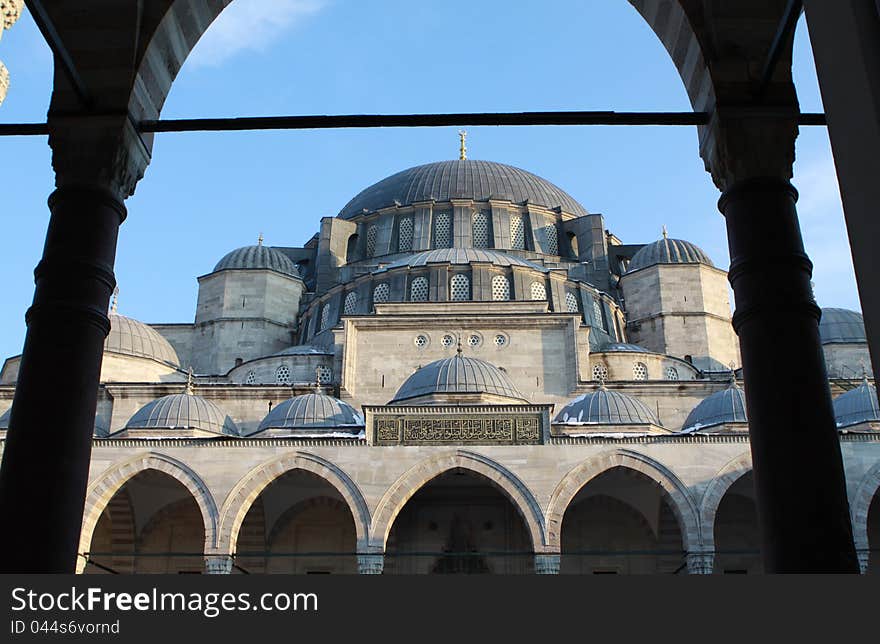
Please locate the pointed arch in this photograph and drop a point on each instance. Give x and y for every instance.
(245, 492)
(405, 487)
(734, 470)
(860, 504)
(102, 490)
(677, 493)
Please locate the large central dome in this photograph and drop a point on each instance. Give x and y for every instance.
(461, 179)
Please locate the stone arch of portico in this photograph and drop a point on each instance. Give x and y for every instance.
(107, 484)
(242, 496)
(405, 487)
(717, 488)
(676, 492)
(860, 504)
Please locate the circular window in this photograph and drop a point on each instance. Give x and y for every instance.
(671, 373)
(448, 340)
(640, 371)
(474, 340)
(282, 375)
(250, 378)
(600, 372)
(500, 340)
(421, 341)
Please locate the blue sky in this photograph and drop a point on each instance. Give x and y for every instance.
(207, 193)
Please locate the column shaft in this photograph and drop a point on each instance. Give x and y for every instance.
(45, 466)
(799, 478)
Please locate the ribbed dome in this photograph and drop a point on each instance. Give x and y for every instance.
(604, 407)
(621, 347)
(258, 258)
(101, 427)
(462, 256)
(457, 375)
(133, 338)
(668, 251)
(856, 406)
(312, 411)
(728, 406)
(183, 411)
(461, 179)
(841, 325)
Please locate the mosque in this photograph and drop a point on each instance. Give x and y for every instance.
(464, 371)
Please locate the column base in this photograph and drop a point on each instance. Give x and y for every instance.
(218, 565)
(700, 563)
(371, 564)
(547, 564)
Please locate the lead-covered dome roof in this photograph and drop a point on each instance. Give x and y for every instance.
(257, 257)
(605, 407)
(133, 338)
(312, 411)
(183, 411)
(727, 406)
(462, 256)
(841, 325)
(457, 375)
(461, 179)
(668, 251)
(856, 406)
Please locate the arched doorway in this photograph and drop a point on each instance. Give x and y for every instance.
(152, 524)
(299, 524)
(737, 541)
(459, 523)
(621, 523)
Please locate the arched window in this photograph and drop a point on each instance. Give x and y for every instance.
(351, 304)
(500, 288)
(538, 291)
(552, 239)
(282, 375)
(600, 372)
(573, 244)
(251, 378)
(381, 293)
(405, 234)
(571, 303)
(372, 233)
(640, 371)
(517, 232)
(325, 316)
(418, 290)
(481, 229)
(350, 249)
(460, 287)
(598, 320)
(671, 373)
(442, 230)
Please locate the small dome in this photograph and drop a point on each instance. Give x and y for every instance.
(312, 411)
(183, 411)
(257, 258)
(461, 256)
(132, 338)
(604, 407)
(728, 406)
(841, 325)
(856, 406)
(622, 347)
(668, 251)
(457, 375)
(461, 179)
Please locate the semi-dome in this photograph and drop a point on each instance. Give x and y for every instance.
(604, 407)
(668, 251)
(312, 411)
(257, 257)
(623, 347)
(856, 406)
(132, 338)
(462, 256)
(461, 179)
(728, 406)
(457, 375)
(183, 411)
(841, 325)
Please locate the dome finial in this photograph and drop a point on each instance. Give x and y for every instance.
(318, 380)
(864, 372)
(458, 348)
(732, 366)
(601, 377)
(114, 302)
(260, 240)
(189, 382)
(462, 150)
(665, 234)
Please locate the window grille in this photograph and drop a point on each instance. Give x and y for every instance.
(517, 232)
(443, 230)
(571, 303)
(640, 371)
(405, 234)
(538, 291)
(500, 288)
(381, 293)
(351, 303)
(418, 290)
(372, 232)
(461, 288)
(481, 229)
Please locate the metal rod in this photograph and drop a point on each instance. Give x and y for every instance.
(783, 35)
(320, 122)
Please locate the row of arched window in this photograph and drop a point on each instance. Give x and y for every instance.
(639, 372)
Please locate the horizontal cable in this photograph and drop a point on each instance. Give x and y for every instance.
(320, 122)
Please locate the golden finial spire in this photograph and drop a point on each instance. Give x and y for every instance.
(665, 234)
(462, 150)
(260, 240)
(318, 380)
(114, 303)
(458, 349)
(189, 382)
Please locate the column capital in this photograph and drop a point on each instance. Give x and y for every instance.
(547, 564)
(104, 151)
(371, 563)
(700, 563)
(218, 564)
(746, 142)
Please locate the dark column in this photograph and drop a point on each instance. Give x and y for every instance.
(45, 466)
(799, 476)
